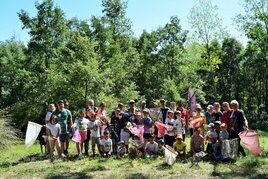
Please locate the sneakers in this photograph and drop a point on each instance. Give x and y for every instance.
(63, 156)
(79, 156)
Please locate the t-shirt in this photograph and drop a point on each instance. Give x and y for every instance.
(64, 118)
(148, 122)
(121, 150)
(151, 148)
(212, 136)
(217, 115)
(164, 113)
(178, 126)
(179, 147)
(103, 127)
(224, 135)
(226, 117)
(169, 127)
(81, 124)
(54, 129)
(95, 128)
(197, 142)
(106, 144)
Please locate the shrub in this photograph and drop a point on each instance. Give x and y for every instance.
(8, 132)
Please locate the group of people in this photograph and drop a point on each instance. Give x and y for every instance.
(161, 126)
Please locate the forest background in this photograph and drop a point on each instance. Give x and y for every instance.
(101, 59)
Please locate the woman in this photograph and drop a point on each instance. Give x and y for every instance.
(238, 123)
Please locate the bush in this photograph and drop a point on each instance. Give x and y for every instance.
(8, 133)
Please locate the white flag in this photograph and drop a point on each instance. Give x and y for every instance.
(32, 133)
(170, 155)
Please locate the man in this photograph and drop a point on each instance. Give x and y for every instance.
(65, 121)
(163, 109)
(132, 108)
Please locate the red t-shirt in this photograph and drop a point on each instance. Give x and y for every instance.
(226, 117)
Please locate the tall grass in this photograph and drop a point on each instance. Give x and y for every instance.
(8, 132)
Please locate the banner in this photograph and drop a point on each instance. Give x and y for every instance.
(161, 129)
(229, 148)
(137, 130)
(250, 139)
(32, 133)
(192, 100)
(76, 137)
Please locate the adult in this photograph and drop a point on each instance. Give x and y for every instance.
(91, 105)
(132, 108)
(163, 109)
(148, 123)
(184, 114)
(50, 110)
(65, 120)
(238, 123)
(173, 106)
(156, 115)
(217, 112)
(101, 110)
(198, 116)
(209, 114)
(226, 114)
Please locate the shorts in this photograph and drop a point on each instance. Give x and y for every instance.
(95, 140)
(83, 135)
(63, 137)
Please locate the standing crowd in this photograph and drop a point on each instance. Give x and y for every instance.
(161, 126)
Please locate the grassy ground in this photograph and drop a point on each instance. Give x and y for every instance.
(18, 161)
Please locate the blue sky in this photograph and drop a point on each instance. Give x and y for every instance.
(144, 14)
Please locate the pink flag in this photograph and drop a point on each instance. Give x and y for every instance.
(192, 99)
(161, 129)
(197, 122)
(250, 139)
(76, 137)
(137, 130)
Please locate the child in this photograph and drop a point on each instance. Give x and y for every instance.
(178, 124)
(210, 138)
(161, 149)
(121, 150)
(179, 146)
(104, 124)
(136, 148)
(196, 142)
(224, 135)
(94, 126)
(169, 133)
(81, 124)
(106, 145)
(53, 136)
(151, 147)
(124, 135)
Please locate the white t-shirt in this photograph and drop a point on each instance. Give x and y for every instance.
(106, 144)
(178, 126)
(212, 134)
(54, 129)
(153, 148)
(169, 127)
(81, 124)
(94, 128)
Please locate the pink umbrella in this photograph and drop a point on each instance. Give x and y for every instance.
(250, 139)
